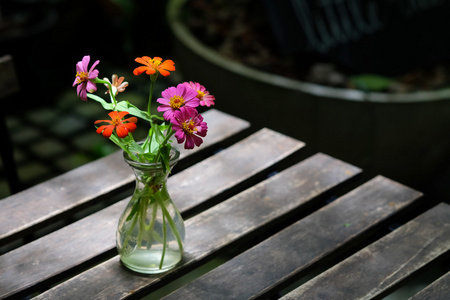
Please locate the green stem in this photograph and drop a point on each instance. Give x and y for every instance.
(112, 96)
(143, 208)
(172, 226)
(128, 235)
(118, 141)
(164, 239)
(152, 224)
(149, 105)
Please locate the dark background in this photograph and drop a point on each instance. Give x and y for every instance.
(48, 37)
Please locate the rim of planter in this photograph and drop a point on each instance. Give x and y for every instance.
(185, 36)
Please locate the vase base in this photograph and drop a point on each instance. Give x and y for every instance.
(148, 262)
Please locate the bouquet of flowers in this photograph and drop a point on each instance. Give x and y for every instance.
(150, 233)
(178, 105)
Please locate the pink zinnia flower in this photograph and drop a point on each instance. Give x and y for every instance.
(176, 97)
(189, 127)
(84, 78)
(202, 94)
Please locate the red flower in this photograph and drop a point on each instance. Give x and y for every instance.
(122, 127)
(153, 65)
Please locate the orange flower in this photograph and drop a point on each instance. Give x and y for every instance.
(153, 65)
(122, 127)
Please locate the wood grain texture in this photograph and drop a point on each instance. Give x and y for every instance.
(299, 246)
(228, 168)
(88, 182)
(239, 217)
(438, 290)
(95, 234)
(385, 263)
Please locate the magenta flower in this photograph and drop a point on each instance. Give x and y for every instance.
(202, 94)
(84, 78)
(176, 97)
(189, 126)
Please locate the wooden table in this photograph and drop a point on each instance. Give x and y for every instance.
(263, 220)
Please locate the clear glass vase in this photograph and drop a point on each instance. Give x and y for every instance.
(150, 234)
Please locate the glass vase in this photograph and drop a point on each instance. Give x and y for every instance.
(150, 234)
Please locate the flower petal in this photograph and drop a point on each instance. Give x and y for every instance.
(189, 143)
(108, 130)
(197, 140)
(91, 87)
(122, 131)
(81, 91)
(93, 74)
(122, 114)
(100, 121)
(113, 114)
(131, 127)
(140, 70)
(131, 119)
(93, 66)
(180, 136)
(101, 128)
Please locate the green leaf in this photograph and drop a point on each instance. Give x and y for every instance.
(165, 156)
(106, 105)
(134, 210)
(116, 141)
(153, 145)
(132, 110)
(133, 146)
(159, 135)
(147, 157)
(157, 117)
(146, 144)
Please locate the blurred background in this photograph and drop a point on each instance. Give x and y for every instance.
(51, 130)
(333, 54)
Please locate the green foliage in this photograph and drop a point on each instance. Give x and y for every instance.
(106, 105)
(132, 110)
(370, 82)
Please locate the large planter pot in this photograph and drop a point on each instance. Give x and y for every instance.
(402, 136)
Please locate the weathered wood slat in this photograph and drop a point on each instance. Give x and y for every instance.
(37, 261)
(438, 290)
(385, 263)
(254, 154)
(302, 244)
(81, 185)
(254, 210)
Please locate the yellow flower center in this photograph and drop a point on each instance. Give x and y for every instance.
(116, 121)
(155, 63)
(176, 102)
(188, 127)
(200, 94)
(82, 77)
